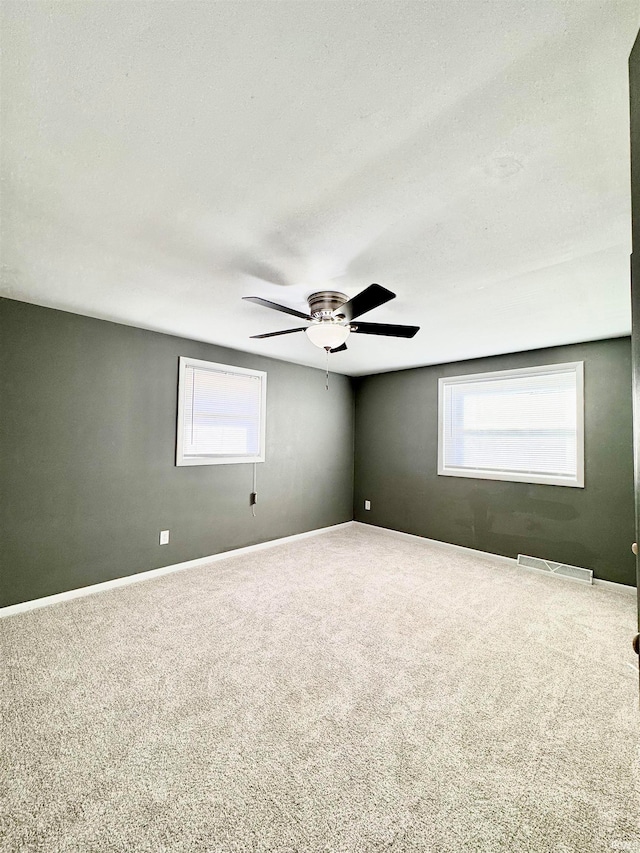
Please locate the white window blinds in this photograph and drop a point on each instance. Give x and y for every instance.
(220, 414)
(524, 425)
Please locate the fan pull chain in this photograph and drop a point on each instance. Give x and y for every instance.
(326, 382)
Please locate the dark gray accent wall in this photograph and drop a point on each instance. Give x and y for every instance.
(87, 450)
(396, 465)
(88, 477)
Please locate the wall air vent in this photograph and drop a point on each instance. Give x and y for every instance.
(562, 570)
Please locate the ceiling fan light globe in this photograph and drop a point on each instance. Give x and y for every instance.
(327, 335)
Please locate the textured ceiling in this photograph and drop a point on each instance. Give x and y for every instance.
(162, 160)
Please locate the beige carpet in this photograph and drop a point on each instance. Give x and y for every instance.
(355, 691)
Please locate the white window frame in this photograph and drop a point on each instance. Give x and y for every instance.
(516, 476)
(183, 458)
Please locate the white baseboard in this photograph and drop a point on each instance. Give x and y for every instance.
(140, 577)
(438, 543)
(622, 587)
(23, 607)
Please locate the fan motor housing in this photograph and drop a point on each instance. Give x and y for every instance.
(325, 302)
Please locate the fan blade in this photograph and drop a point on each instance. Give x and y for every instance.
(390, 329)
(284, 308)
(284, 332)
(341, 348)
(369, 298)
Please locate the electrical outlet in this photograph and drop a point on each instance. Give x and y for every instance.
(367, 504)
(164, 537)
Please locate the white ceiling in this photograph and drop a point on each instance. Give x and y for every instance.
(161, 159)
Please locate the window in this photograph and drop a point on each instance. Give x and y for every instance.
(523, 425)
(221, 414)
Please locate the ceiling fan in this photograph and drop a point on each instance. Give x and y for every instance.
(331, 316)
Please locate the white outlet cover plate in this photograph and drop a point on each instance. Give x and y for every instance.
(164, 537)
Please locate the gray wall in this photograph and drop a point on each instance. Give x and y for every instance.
(87, 443)
(87, 473)
(396, 464)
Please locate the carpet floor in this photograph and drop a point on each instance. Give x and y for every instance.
(352, 692)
